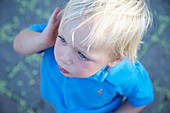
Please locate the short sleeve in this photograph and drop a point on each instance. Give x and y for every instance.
(142, 92)
(37, 27)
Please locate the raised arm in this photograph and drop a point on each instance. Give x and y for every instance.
(28, 42)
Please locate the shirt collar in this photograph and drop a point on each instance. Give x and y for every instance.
(117, 75)
(121, 72)
(100, 75)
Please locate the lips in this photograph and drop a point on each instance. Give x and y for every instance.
(63, 70)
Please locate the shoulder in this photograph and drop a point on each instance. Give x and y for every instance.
(133, 82)
(49, 54)
(37, 27)
(126, 72)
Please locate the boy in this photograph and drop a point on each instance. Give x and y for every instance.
(92, 65)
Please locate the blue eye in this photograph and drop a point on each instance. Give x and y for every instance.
(82, 57)
(62, 40)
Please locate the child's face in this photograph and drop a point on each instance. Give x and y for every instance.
(74, 60)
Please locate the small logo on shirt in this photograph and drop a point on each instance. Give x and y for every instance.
(100, 91)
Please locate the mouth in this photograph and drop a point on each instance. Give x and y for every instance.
(63, 70)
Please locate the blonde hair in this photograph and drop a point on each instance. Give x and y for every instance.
(117, 25)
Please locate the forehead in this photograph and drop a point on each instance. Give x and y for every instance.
(76, 31)
(75, 34)
(83, 34)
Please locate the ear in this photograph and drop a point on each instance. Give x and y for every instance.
(114, 62)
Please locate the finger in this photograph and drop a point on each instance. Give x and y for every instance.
(60, 14)
(55, 13)
(57, 26)
(58, 17)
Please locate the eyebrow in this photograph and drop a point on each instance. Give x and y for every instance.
(60, 36)
(81, 49)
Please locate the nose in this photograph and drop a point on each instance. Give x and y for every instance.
(66, 58)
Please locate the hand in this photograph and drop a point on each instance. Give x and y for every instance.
(50, 33)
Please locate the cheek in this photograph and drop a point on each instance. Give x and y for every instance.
(88, 69)
(89, 65)
(57, 50)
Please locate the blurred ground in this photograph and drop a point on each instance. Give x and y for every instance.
(19, 75)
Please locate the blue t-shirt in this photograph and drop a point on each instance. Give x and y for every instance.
(102, 92)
